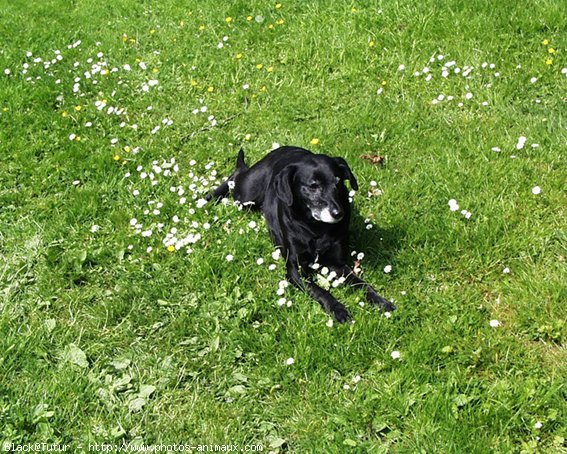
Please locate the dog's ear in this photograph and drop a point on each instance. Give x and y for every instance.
(283, 184)
(346, 173)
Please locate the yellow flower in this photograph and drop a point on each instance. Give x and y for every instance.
(238, 56)
(105, 72)
(280, 21)
(127, 149)
(201, 28)
(228, 20)
(5, 109)
(545, 42)
(247, 136)
(211, 89)
(278, 5)
(124, 37)
(78, 108)
(78, 138)
(116, 157)
(63, 114)
(371, 44)
(259, 66)
(155, 70)
(193, 83)
(171, 248)
(551, 50)
(270, 69)
(263, 89)
(181, 24)
(549, 61)
(249, 18)
(353, 10)
(314, 141)
(384, 82)
(132, 40)
(271, 26)
(152, 31)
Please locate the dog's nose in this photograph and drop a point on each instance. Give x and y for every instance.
(337, 213)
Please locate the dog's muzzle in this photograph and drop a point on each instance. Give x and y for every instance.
(329, 216)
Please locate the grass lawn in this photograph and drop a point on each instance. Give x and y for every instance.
(132, 313)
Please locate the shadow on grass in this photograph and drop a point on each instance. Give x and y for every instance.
(380, 245)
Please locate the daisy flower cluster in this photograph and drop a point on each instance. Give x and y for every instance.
(439, 68)
(181, 219)
(91, 85)
(167, 218)
(519, 145)
(282, 301)
(328, 278)
(46, 64)
(351, 384)
(325, 277)
(158, 217)
(454, 206)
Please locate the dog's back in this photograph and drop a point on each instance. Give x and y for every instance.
(251, 184)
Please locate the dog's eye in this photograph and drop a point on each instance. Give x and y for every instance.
(313, 185)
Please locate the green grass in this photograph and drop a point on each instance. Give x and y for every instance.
(103, 341)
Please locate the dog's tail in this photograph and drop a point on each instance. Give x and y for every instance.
(224, 188)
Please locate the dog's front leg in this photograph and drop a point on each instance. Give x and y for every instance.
(327, 301)
(372, 295)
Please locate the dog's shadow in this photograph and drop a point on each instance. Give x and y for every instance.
(380, 245)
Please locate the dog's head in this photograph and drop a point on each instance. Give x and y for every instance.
(317, 187)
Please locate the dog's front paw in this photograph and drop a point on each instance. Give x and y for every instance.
(341, 314)
(380, 301)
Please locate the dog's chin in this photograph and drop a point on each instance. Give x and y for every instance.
(325, 216)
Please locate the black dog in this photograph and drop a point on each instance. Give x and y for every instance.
(307, 209)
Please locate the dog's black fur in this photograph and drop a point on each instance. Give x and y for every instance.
(307, 209)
